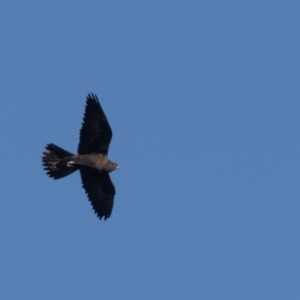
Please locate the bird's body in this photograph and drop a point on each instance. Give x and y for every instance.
(95, 161)
(91, 161)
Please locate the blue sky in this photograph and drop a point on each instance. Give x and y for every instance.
(204, 101)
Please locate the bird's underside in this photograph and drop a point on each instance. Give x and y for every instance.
(91, 160)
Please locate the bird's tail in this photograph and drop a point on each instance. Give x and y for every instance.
(55, 162)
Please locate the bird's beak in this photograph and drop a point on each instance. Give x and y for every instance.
(117, 167)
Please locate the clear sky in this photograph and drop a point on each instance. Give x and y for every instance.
(204, 101)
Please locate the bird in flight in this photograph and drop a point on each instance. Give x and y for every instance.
(91, 161)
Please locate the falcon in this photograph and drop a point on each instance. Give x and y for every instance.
(91, 161)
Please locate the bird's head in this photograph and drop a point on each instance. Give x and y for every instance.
(111, 166)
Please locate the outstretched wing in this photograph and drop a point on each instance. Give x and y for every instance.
(95, 133)
(100, 191)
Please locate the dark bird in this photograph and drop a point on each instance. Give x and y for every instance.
(91, 161)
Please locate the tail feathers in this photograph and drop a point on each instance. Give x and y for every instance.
(55, 162)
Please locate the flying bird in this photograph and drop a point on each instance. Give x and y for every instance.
(91, 161)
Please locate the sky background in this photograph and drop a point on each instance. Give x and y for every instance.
(204, 101)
